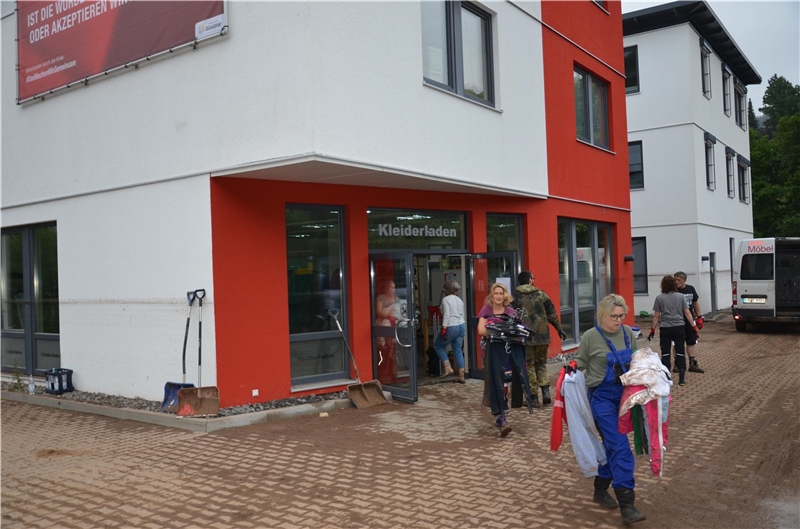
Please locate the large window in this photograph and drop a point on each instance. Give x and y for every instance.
(316, 277)
(591, 109)
(30, 300)
(726, 91)
(457, 49)
(585, 272)
(504, 233)
(705, 68)
(711, 182)
(632, 70)
(635, 165)
(744, 180)
(757, 267)
(729, 167)
(639, 265)
(740, 105)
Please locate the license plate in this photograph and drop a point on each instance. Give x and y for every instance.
(754, 300)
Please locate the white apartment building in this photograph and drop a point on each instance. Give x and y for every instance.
(689, 149)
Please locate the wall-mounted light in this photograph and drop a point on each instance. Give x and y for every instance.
(628, 258)
(704, 258)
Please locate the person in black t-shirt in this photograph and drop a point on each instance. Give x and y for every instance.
(691, 296)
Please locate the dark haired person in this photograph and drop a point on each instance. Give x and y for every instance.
(691, 296)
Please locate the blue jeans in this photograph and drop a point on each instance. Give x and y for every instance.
(455, 336)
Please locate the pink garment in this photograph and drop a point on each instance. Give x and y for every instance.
(625, 426)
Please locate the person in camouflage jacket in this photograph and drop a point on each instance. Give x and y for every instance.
(536, 310)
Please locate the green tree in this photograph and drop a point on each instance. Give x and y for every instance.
(781, 99)
(752, 120)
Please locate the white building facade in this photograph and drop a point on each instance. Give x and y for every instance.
(689, 149)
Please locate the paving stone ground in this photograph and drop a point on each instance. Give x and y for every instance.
(733, 461)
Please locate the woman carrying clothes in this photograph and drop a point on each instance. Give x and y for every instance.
(453, 328)
(669, 309)
(497, 354)
(605, 353)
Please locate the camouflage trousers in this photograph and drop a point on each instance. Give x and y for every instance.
(536, 356)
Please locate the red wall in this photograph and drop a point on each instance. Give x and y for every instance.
(250, 290)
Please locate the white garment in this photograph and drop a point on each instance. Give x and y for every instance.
(452, 311)
(583, 434)
(646, 370)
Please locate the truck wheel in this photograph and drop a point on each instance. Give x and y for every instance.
(741, 326)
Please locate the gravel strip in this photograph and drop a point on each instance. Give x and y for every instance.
(116, 401)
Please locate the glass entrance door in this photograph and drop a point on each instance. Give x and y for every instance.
(485, 270)
(394, 320)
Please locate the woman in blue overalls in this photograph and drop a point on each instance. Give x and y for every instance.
(604, 354)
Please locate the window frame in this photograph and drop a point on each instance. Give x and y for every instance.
(588, 110)
(637, 260)
(344, 315)
(633, 89)
(711, 177)
(630, 163)
(455, 52)
(726, 91)
(705, 68)
(743, 168)
(730, 155)
(740, 104)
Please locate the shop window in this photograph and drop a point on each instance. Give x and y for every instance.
(640, 265)
(585, 272)
(457, 49)
(30, 338)
(504, 233)
(635, 165)
(591, 108)
(316, 280)
(632, 70)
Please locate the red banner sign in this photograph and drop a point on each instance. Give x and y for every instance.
(67, 41)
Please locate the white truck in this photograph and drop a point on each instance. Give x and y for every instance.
(766, 281)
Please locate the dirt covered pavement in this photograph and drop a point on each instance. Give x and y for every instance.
(733, 461)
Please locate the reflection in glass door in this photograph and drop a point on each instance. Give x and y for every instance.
(394, 323)
(485, 270)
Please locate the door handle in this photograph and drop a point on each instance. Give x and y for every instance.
(396, 337)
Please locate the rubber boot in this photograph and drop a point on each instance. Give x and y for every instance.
(535, 401)
(693, 367)
(447, 370)
(601, 494)
(630, 514)
(460, 375)
(546, 395)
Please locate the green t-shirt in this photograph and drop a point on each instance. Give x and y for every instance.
(593, 350)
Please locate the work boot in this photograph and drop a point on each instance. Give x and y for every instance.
(675, 368)
(693, 367)
(546, 395)
(535, 401)
(601, 494)
(460, 375)
(629, 513)
(446, 369)
(502, 423)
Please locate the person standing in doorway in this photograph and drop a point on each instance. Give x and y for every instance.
(691, 296)
(536, 311)
(453, 328)
(669, 310)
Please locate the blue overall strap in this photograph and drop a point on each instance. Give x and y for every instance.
(614, 349)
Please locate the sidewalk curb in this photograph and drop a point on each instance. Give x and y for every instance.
(205, 425)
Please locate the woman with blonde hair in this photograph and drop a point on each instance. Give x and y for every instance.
(604, 354)
(497, 353)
